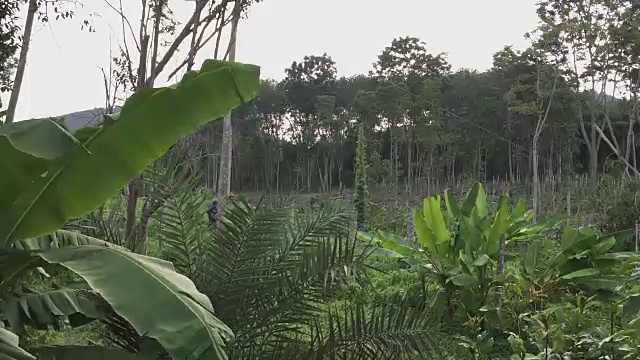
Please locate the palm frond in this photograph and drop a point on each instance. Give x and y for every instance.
(242, 251)
(389, 331)
(183, 230)
(279, 268)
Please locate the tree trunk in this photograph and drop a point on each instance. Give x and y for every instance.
(22, 63)
(510, 155)
(536, 178)
(224, 181)
(593, 154)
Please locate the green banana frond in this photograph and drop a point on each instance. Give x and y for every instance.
(55, 309)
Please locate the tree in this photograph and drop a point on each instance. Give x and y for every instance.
(589, 51)
(305, 82)
(33, 9)
(22, 63)
(144, 56)
(226, 147)
(405, 65)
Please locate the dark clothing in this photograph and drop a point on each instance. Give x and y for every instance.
(212, 213)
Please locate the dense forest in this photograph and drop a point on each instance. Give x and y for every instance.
(567, 104)
(411, 212)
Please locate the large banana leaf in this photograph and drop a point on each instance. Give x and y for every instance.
(47, 182)
(49, 309)
(9, 349)
(27, 147)
(148, 293)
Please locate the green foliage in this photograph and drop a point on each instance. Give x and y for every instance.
(617, 205)
(53, 177)
(273, 275)
(515, 305)
(460, 248)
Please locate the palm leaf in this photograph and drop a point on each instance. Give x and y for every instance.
(384, 331)
(182, 225)
(9, 346)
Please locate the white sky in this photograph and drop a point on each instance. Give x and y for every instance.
(63, 72)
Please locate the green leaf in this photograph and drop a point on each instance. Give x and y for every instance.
(137, 286)
(58, 239)
(149, 123)
(452, 205)
(481, 261)
(40, 138)
(435, 219)
(498, 227)
(532, 257)
(632, 304)
(481, 202)
(518, 211)
(580, 274)
(604, 246)
(610, 283)
(390, 242)
(43, 310)
(464, 280)
(470, 200)
(569, 237)
(9, 346)
(25, 155)
(424, 235)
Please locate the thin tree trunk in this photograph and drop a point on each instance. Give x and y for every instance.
(536, 178)
(224, 182)
(22, 63)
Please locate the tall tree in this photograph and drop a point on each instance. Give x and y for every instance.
(22, 63)
(226, 147)
(405, 65)
(146, 53)
(304, 82)
(34, 7)
(581, 27)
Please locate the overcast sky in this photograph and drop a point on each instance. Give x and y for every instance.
(63, 73)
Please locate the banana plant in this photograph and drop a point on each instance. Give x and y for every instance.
(50, 177)
(584, 260)
(459, 247)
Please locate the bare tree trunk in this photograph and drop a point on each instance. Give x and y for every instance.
(536, 178)
(22, 63)
(224, 182)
